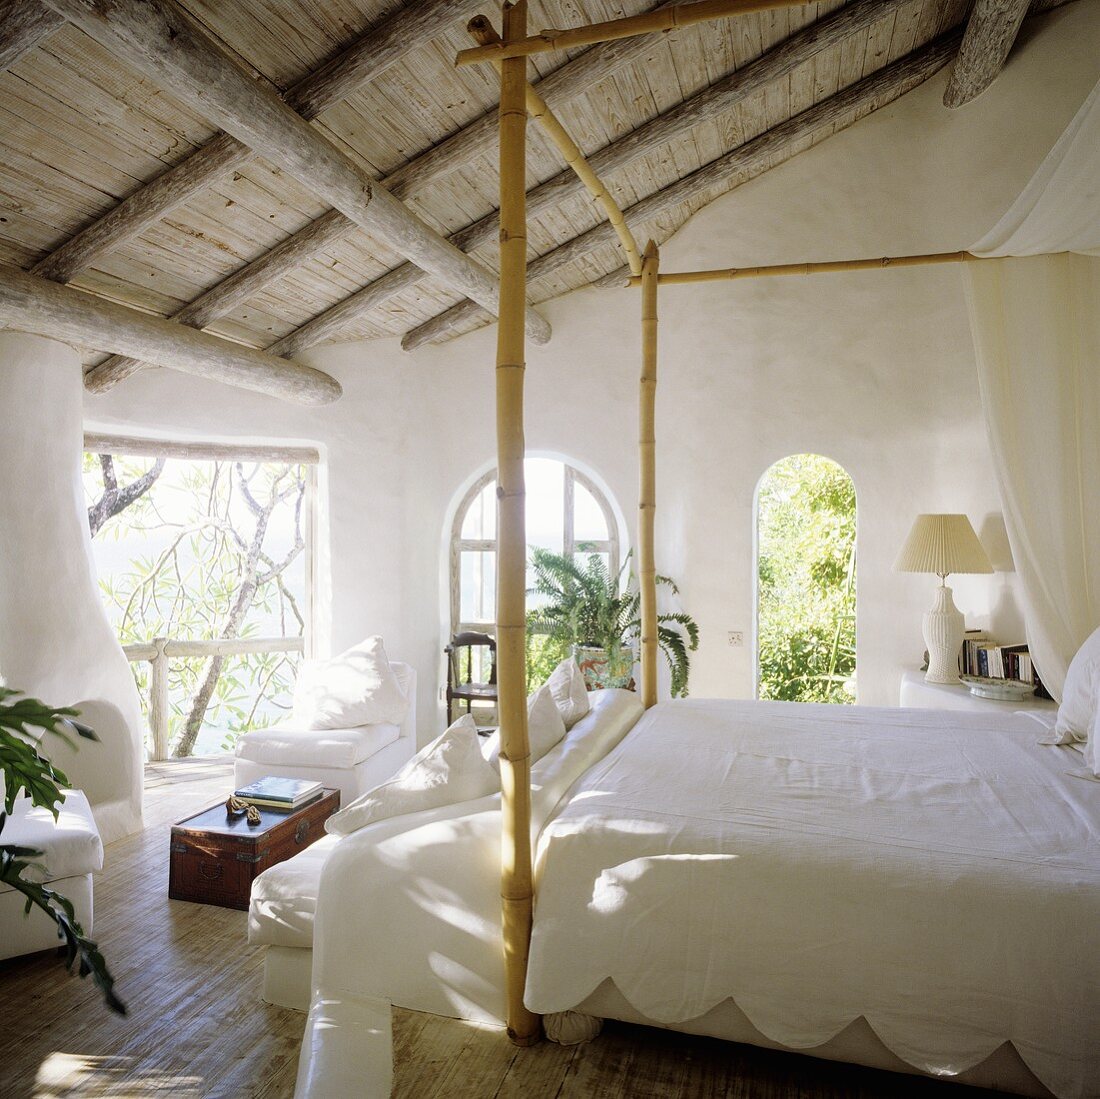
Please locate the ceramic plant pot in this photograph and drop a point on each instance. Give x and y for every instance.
(602, 668)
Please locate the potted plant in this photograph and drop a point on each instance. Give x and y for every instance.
(24, 767)
(599, 615)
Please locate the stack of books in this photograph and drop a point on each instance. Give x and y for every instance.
(272, 792)
(982, 656)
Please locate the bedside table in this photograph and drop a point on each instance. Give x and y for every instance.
(917, 694)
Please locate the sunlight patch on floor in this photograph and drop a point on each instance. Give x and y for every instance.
(66, 1075)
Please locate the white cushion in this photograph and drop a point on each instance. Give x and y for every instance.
(545, 728)
(284, 898)
(70, 845)
(358, 687)
(449, 770)
(567, 685)
(1078, 707)
(291, 745)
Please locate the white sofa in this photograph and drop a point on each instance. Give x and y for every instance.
(71, 852)
(380, 859)
(352, 761)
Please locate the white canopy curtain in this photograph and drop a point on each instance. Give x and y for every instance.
(1036, 328)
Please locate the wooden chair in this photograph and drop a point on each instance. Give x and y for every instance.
(460, 665)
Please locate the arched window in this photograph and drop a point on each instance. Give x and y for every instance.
(806, 581)
(565, 510)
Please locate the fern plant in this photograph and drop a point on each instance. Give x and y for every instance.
(584, 604)
(24, 767)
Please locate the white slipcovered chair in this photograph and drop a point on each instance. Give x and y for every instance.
(352, 760)
(71, 852)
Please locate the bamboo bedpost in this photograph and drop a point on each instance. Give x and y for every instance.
(647, 495)
(481, 30)
(515, 758)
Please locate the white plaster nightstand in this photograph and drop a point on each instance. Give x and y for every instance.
(918, 694)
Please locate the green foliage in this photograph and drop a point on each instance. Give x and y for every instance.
(24, 767)
(806, 574)
(583, 604)
(186, 584)
(544, 653)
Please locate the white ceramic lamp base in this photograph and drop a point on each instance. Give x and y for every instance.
(943, 634)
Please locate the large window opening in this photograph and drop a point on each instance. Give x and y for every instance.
(566, 512)
(204, 566)
(806, 581)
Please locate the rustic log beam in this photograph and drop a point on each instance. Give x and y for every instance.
(571, 80)
(989, 35)
(235, 290)
(647, 23)
(474, 140)
(363, 61)
(23, 25)
(159, 40)
(42, 307)
(748, 160)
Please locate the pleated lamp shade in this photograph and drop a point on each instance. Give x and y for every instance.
(942, 544)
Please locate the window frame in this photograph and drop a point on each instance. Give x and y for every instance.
(459, 545)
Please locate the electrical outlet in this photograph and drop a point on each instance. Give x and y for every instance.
(736, 639)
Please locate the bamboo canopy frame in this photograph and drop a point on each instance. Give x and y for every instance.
(650, 22)
(724, 274)
(517, 101)
(647, 475)
(516, 889)
(537, 109)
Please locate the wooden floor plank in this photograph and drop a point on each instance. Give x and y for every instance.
(197, 1028)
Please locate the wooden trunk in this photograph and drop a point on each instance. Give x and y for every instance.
(215, 857)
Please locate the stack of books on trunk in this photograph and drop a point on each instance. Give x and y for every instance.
(272, 792)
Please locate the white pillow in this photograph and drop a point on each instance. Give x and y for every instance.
(449, 770)
(1092, 746)
(1079, 694)
(358, 687)
(545, 728)
(567, 685)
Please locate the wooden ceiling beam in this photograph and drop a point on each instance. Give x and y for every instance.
(647, 23)
(460, 149)
(564, 83)
(351, 70)
(158, 39)
(44, 308)
(238, 288)
(23, 25)
(989, 35)
(751, 159)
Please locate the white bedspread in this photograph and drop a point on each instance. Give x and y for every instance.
(937, 873)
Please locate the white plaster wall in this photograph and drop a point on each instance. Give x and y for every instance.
(55, 640)
(873, 369)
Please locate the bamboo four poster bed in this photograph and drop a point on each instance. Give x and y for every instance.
(431, 867)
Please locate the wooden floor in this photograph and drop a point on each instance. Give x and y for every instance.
(197, 1026)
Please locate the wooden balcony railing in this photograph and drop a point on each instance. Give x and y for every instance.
(162, 649)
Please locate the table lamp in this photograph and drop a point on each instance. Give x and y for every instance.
(942, 544)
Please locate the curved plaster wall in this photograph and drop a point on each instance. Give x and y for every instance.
(55, 640)
(874, 370)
